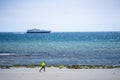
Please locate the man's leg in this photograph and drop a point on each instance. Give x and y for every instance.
(40, 69)
(44, 69)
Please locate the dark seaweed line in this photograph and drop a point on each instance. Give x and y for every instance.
(65, 66)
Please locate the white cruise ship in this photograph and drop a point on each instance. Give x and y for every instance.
(38, 31)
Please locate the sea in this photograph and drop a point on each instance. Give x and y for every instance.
(60, 48)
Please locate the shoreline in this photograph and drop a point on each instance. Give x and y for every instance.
(64, 66)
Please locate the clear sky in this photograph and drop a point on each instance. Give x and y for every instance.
(60, 15)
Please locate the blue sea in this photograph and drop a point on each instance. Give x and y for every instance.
(56, 48)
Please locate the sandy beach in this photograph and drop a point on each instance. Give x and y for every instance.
(59, 74)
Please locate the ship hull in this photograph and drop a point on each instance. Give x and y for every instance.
(40, 32)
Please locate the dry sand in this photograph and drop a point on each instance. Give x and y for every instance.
(59, 74)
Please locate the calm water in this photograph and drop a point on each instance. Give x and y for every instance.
(93, 48)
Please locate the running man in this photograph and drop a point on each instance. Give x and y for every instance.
(43, 66)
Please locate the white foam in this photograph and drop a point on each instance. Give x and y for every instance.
(6, 54)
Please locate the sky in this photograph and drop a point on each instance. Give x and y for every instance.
(60, 15)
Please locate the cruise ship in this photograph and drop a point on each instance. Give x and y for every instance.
(37, 31)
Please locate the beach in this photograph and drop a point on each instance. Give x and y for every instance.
(80, 55)
(55, 73)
